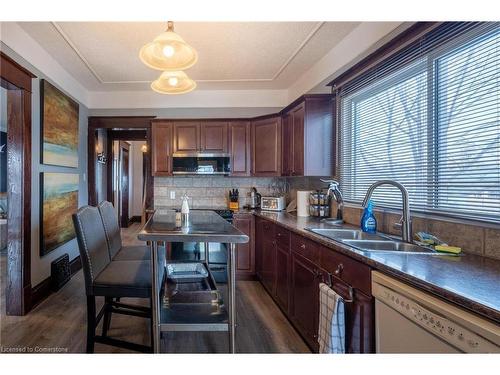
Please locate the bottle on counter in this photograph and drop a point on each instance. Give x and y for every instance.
(368, 221)
(185, 211)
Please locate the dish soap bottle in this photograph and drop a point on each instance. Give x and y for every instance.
(185, 211)
(368, 221)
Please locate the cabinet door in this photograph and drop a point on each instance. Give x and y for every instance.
(360, 330)
(266, 147)
(245, 255)
(186, 137)
(240, 148)
(304, 303)
(213, 137)
(161, 133)
(282, 276)
(259, 244)
(269, 265)
(286, 145)
(297, 154)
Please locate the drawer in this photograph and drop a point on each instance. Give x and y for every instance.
(308, 249)
(282, 237)
(354, 273)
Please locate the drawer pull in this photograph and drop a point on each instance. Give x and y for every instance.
(303, 246)
(279, 234)
(339, 269)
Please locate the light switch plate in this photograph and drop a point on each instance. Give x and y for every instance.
(172, 194)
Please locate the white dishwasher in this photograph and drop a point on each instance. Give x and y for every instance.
(408, 320)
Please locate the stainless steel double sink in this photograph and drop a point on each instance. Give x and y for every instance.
(370, 242)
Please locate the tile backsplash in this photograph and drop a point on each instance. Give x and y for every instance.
(208, 191)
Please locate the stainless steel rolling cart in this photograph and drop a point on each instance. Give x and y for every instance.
(195, 305)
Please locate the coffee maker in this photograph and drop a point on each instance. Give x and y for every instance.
(254, 198)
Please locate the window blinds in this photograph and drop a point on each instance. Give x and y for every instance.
(428, 117)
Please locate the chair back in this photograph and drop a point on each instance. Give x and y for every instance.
(92, 243)
(111, 227)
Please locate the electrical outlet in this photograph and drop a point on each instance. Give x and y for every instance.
(172, 194)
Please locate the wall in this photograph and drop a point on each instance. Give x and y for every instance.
(40, 266)
(208, 191)
(101, 179)
(135, 178)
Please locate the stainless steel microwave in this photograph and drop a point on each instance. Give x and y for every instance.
(201, 163)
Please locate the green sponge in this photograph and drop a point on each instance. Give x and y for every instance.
(448, 249)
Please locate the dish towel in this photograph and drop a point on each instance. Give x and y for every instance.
(331, 332)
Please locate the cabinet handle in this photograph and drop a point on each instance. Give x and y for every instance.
(339, 269)
(303, 246)
(279, 234)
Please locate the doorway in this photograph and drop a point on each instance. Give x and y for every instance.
(120, 164)
(15, 82)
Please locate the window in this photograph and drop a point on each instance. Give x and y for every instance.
(429, 119)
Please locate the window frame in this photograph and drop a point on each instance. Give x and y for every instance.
(429, 64)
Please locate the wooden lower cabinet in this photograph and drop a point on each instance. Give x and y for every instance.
(245, 252)
(304, 301)
(282, 277)
(360, 332)
(269, 266)
(291, 267)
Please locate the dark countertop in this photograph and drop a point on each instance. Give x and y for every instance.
(470, 281)
(205, 226)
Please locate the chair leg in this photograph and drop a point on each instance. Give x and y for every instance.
(107, 315)
(90, 323)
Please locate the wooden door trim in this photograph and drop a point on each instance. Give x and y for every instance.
(19, 291)
(124, 215)
(121, 123)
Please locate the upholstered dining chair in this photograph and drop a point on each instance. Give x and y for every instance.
(110, 279)
(112, 230)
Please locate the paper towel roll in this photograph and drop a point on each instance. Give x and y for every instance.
(303, 202)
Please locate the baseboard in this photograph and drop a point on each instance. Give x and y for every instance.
(135, 219)
(246, 277)
(40, 292)
(44, 289)
(75, 265)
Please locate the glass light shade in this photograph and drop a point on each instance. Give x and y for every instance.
(168, 52)
(173, 83)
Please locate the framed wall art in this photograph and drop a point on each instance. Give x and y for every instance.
(59, 115)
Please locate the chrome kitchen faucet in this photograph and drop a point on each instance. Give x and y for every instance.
(405, 221)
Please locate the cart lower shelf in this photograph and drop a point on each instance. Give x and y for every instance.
(193, 306)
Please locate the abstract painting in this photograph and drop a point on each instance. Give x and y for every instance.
(59, 200)
(59, 127)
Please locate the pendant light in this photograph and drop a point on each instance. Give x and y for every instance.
(168, 52)
(173, 83)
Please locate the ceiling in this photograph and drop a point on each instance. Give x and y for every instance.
(103, 56)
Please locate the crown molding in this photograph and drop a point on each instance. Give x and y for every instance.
(280, 70)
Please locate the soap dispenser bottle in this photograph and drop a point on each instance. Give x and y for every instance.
(368, 221)
(185, 211)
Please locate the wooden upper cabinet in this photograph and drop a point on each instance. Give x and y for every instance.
(309, 130)
(297, 135)
(162, 133)
(187, 136)
(266, 147)
(214, 137)
(286, 144)
(239, 148)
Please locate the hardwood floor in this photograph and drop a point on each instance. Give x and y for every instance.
(58, 323)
